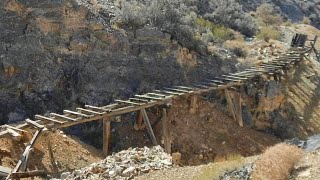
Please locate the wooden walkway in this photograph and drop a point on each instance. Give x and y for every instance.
(273, 69)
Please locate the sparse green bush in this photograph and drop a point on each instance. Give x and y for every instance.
(267, 33)
(228, 13)
(267, 15)
(306, 20)
(219, 33)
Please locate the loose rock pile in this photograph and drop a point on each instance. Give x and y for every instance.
(124, 165)
(240, 174)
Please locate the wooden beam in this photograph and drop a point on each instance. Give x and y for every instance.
(166, 132)
(139, 100)
(148, 126)
(4, 171)
(76, 113)
(106, 135)
(169, 92)
(24, 159)
(14, 128)
(148, 97)
(48, 119)
(29, 174)
(63, 117)
(95, 108)
(230, 104)
(35, 124)
(157, 94)
(184, 87)
(179, 90)
(193, 104)
(90, 111)
(128, 102)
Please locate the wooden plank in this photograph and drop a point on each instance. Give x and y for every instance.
(47, 119)
(89, 111)
(128, 102)
(106, 135)
(169, 92)
(35, 124)
(230, 104)
(148, 97)
(139, 100)
(95, 108)
(26, 151)
(14, 128)
(63, 117)
(76, 113)
(4, 171)
(235, 77)
(148, 126)
(179, 90)
(238, 107)
(157, 94)
(29, 174)
(193, 104)
(166, 132)
(14, 133)
(185, 87)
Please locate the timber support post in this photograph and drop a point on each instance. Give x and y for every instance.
(106, 135)
(235, 106)
(193, 104)
(148, 126)
(166, 131)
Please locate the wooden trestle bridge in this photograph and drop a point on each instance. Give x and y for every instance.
(41, 123)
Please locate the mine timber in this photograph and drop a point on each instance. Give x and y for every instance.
(139, 103)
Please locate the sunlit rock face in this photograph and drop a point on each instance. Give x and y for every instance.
(57, 54)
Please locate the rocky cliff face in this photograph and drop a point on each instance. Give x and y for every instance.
(56, 54)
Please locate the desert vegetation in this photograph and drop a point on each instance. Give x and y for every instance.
(191, 23)
(276, 162)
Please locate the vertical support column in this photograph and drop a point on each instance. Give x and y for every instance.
(166, 131)
(193, 104)
(238, 107)
(106, 135)
(148, 125)
(230, 104)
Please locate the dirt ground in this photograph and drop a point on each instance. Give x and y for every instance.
(68, 154)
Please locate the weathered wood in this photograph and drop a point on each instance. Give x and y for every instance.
(166, 132)
(193, 104)
(90, 111)
(14, 133)
(157, 94)
(106, 135)
(185, 87)
(76, 113)
(97, 108)
(237, 99)
(63, 117)
(179, 90)
(139, 100)
(24, 159)
(14, 128)
(4, 171)
(48, 119)
(169, 92)
(230, 104)
(40, 173)
(128, 102)
(148, 126)
(148, 97)
(35, 124)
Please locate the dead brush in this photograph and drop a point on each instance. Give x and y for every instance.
(277, 162)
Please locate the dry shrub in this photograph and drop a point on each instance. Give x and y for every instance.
(277, 162)
(267, 33)
(238, 47)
